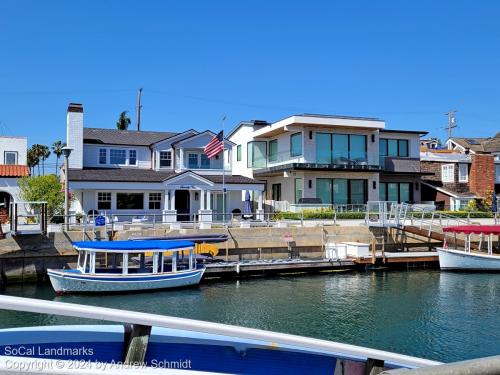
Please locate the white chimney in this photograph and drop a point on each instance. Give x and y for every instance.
(74, 134)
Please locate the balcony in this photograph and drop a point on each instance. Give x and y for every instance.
(283, 161)
(400, 164)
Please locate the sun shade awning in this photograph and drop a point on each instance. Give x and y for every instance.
(131, 246)
(474, 229)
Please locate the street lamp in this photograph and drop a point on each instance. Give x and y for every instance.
(66, 152)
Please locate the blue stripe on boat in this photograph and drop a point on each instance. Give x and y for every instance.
(132, 245)
(124, 278)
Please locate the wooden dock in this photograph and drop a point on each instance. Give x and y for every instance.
(291, 266)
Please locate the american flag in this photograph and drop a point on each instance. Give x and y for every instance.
(215, 146)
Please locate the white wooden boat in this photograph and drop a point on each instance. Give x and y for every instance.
(112, 267)
(153, 343)
(470, 257)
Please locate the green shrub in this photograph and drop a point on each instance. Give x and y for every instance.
(317, 214)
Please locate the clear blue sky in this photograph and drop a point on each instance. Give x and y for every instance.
(407, 62)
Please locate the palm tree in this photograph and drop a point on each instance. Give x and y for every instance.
(41, 152)
(44, 155)
(123, 121)
(57, 147)
(33, 160)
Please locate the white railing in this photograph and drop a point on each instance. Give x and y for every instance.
(145, 319)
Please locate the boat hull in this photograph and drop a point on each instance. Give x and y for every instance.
(72, 282)
(182, 349)
(450, 259)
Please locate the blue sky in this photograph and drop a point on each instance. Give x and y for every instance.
(405, 62)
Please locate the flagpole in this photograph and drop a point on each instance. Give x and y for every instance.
(223, 175)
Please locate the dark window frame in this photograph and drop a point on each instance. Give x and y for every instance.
(301, 144)
(119, 205)
(349, 188)
(10, 152)
(399, 142)
(275, 156)
(278, 191)
(238, 153)
(386, 198)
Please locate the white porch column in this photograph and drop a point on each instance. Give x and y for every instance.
(169, 211)
(202, 199)
(172, 199)
(209, 200)
(205, 213)
(260, 211)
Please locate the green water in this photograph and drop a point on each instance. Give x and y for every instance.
(442, 316)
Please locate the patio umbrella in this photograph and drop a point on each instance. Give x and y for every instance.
(494, 204)
(247, 209)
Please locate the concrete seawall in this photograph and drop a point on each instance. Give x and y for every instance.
(26, 258)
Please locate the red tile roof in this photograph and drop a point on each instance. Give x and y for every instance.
(13, 170)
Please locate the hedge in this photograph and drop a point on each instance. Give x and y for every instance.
(329, 214)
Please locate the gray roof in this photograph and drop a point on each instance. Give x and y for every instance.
(124, 137)
(479, 144)
(423, 132)
(145, 175)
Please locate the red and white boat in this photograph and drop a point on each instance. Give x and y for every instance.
(475, 252)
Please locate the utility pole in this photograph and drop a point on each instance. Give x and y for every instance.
(139, 106)
(451, 122)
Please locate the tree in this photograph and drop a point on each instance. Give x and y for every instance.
(36, 152)
(33, 160)
(43, 188)
(57, 147)
(123, 121)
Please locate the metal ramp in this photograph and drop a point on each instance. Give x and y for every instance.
(386, 214)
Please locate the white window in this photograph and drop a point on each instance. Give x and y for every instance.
(132, 157)
(497, 173)
(165, 159)
(10, 157)
(103, 156)
(448, 173)
(103, 200)
(463, 173)
(118, 156)
(154, 201)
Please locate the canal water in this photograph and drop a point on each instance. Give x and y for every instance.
(431, 314)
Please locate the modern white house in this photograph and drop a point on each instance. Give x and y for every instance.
(13, 165)
(318, 160)
(130, 173)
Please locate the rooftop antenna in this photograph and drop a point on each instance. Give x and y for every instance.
(139, 106)
(451, 121)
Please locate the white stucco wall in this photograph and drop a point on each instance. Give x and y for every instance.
(16, 144)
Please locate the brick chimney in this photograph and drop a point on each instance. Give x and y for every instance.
(482, 174)
(74, 134)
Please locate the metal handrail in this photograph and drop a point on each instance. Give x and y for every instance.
(272, 338)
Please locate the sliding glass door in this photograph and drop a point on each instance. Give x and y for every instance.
(341, 191)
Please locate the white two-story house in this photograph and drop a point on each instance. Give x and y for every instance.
(320, 160)
(13, 165)
(129, 173)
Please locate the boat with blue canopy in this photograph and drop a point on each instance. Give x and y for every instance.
(121, 266)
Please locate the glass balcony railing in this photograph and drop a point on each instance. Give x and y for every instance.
(355, 161)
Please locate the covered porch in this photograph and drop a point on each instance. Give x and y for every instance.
(185, 197)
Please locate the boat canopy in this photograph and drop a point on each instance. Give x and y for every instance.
(132, 246)
(474, 229)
